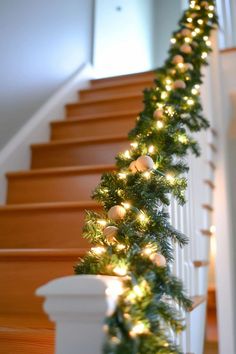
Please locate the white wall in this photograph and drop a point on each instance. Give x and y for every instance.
(42, 43)
(123, 36)
(166, 16)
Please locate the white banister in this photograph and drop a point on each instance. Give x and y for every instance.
(78, 305)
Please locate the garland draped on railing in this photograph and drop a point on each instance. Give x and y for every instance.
(133, 237)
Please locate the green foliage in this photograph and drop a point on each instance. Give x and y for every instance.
(150, 306)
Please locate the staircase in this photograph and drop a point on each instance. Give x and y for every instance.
(41, 223)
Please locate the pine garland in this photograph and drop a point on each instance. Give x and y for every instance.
(133, 238)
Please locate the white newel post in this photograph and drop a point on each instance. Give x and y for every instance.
(78, 305)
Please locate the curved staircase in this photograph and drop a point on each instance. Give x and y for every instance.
(41, 223)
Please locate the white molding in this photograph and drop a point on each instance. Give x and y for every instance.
(78, 305)
(16, 154)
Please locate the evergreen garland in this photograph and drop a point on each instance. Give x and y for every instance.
(133, 237)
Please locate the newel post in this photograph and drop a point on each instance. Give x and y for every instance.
(78, 304)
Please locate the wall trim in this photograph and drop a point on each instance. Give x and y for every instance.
(15, 155)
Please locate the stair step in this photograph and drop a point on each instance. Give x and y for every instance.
(18, 340)
(123, 79)
(118, 105)
(44, 225)
(78, 152)
(98, 126)
(52, 185)
(23, 271)
(121, 90)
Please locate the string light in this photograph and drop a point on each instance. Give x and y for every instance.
(194, 91)
(168, 81)
(189, 19)
(151, 149)
(204, 55)
(200, 21)
(164, 95)
(142, 217)
(170, 111)
(197, 87)
(197, 30)
(187, 40)
(180, 65)
(134, 144)
(127, 154)
(160, 124)
(210, 15)
(120, 270)
(102, 222)
(208, 43)
(147, 251)
(137, 290)
(168, 88)
(211, 7)
(173, 40)
(194, 34)
(182, 139)
(147, 174)
(98, 250)
(120, 247)
(190, 102)
(126, 205)
(205, 38)
(122, 175)
(170, 178)
(139, 328)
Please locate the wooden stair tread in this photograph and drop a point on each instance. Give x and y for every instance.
(41, 254)
(61, 170)
(199, 264)
(51, 205)
(90, 140)
(84, 119)
(197, 301)
(102, 115)
(114, 80)
(26, 323)
(105, 99)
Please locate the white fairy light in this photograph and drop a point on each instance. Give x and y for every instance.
(98, 250)
(102, 222)
(151, 149)
(127, 154)
(173, 40)
(120, 270)
(160, 124)
(204, 55)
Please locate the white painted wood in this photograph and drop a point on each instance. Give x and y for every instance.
(78, 305)
(16, 154)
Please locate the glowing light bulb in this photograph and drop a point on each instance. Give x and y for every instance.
(194, 91)
(182, 139)
(147, 251)
(137, 290)
(189, 19)
(164, 95)
(120, 270)
(190, 102)
(120, 247)
(160, 124)
(208, 43)
(204, 55)
(194, 34)
(210, 15)
(200, 21)
(98, 250)
(126, 205)
(142, 217)
(170, 178)
(211, 7)
(173, 40)
(122, 175)
(187, 40)
(151, 149)
(168, 81)
(180, 65)
(134, 144)
(147, 174)
(205, 38)
(170, 111)
(197, 87)
(168, 88)
(127, 154)
(197, 30)
(102, 222)
(139, 328)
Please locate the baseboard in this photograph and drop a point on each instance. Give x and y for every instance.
(16, 154)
